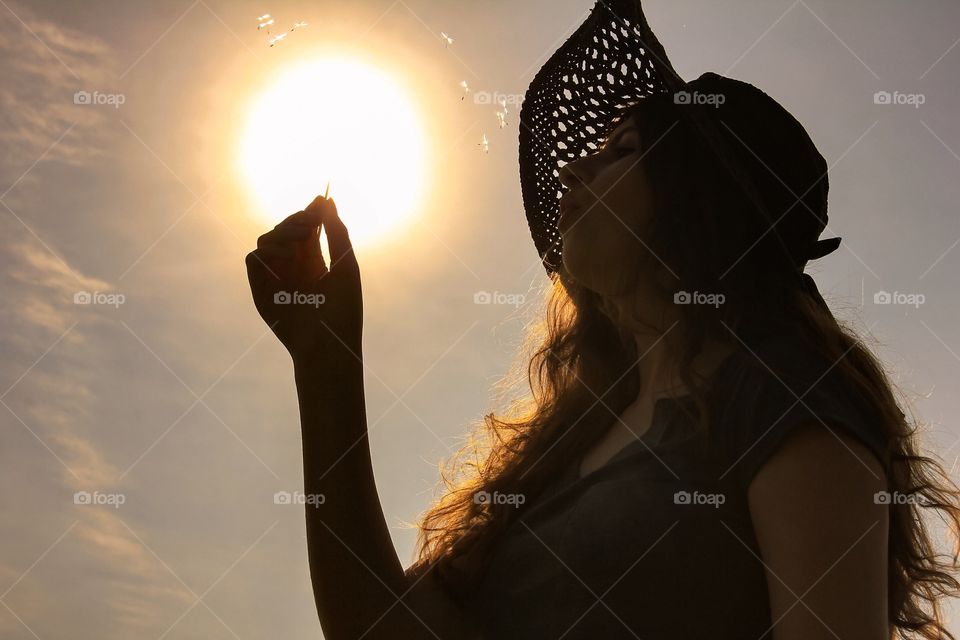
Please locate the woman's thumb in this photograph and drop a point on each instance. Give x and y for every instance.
(338, 238)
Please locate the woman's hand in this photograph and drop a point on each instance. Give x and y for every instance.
(313, 310)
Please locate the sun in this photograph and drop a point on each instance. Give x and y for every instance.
(339, 120)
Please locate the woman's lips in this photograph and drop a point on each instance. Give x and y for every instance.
(568, 215)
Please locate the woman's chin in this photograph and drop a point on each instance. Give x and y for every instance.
(586, 273)
(603, 273)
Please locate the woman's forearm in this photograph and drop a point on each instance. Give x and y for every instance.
(358, 581)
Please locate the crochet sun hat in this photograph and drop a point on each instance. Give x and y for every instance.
(614, 60)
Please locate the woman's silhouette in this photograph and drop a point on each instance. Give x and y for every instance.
(706, 451)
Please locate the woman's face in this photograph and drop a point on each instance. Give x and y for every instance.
(605, 213)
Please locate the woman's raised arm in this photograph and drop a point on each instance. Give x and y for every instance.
(359, 584)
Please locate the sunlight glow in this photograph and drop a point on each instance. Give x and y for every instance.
(338, 120)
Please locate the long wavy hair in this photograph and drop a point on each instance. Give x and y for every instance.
(578, 364)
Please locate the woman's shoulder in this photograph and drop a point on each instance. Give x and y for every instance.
(774, 386)
(772, 369)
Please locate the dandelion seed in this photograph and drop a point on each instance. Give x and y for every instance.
(466, 89)
(503, 103)
(297, 25)
(447, 40)
(263, 17)
(264, 25)
(501, 119)
(277, 38)
(485, 144)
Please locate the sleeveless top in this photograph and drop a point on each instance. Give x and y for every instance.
(658, 543)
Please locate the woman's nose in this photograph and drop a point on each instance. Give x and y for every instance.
(571, 174)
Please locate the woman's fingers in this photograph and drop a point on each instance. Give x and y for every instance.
(303, 229)
(289, 233)
(338, 238)
(308, 217)
(303, 243)
(260, 270)
(277, 251)
(301, 254)
(293, 218)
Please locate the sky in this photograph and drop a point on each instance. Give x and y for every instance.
(167, 400)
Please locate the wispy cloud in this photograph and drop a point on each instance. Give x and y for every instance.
(45, 64)
(50, 346)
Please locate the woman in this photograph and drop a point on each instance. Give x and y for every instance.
(811, 481)
(706, 451)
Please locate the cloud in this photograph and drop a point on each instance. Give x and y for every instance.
(55, 415)
(44, 65)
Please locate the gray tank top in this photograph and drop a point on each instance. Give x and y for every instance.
(658, 542)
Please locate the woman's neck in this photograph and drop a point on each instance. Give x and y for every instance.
(658, 366)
